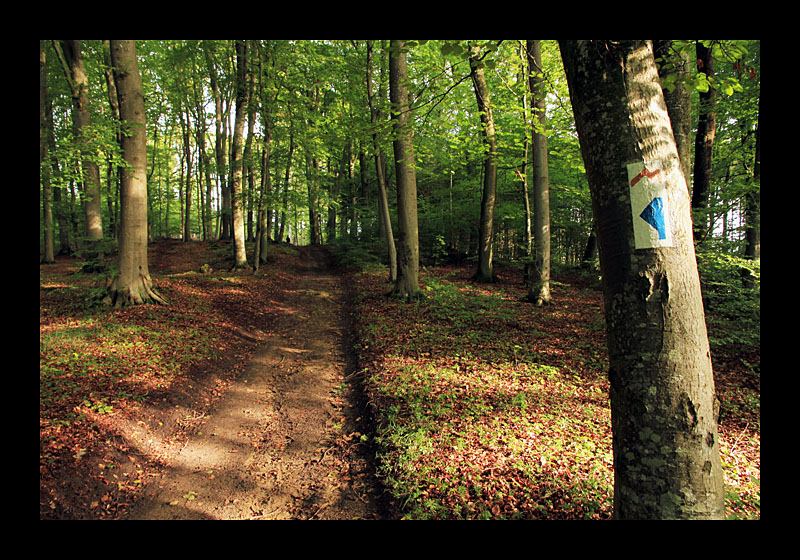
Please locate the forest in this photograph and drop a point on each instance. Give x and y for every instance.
(527, 272)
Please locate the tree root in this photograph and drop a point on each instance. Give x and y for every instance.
(140, 293)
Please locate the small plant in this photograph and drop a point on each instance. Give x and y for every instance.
(99, 406)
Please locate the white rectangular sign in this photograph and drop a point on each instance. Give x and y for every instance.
(649, 205)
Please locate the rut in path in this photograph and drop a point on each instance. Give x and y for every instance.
(284, 442)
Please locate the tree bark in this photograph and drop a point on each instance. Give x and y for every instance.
(187, 149)
(407, 284)
(133, 285)
(752, 201)
(220, 147)
(265, 194)
(666, 450)
(485, 271)
(113, 175)
(539, 292)
(75, 71)
(237, 198)
(679, 102)
(704, 145)
(383, 198)
(44, 164)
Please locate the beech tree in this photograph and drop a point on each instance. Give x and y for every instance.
(45, 135)
(383, 198)
(407, 284)
(539, 291)
(486, 225)
(664, 419)
(237, 164)
(69, 52)
(132, 285)
(704, 142)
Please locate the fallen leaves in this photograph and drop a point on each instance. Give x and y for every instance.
(488, 407)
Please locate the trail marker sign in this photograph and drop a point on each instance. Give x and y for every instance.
(649, 205)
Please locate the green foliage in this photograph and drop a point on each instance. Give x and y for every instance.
(473, 422)
(733, 308)
(357, 255)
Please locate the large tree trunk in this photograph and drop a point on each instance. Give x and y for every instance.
(539, 291)
(237, 195)
(666, 450)
(133, 285)
(407, 284)
(485, 271)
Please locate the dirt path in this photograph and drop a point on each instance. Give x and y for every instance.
(285, 441)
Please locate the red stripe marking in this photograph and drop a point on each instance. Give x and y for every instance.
(645, 172)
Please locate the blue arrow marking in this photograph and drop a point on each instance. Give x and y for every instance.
(653, 214)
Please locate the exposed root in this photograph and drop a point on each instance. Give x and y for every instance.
(140, 293)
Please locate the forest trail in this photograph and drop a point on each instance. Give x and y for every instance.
(285, 440)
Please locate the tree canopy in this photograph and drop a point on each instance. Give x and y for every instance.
(321, 162)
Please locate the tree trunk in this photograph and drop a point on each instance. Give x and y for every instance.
(44, 164)
(666, 449)
(72, 59)
(314, 218)
(237, 199)
(679, 102)
(704, 145)
(265, 192)
(383, 198)
(133, 285)
(485, 271)
(187, 148)
(208, 228)
(407, 284)
(285, 196)
(113, 174)
(752, 250)
(220, 149)
(539, 292)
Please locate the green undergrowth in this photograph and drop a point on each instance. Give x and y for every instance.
(490, 408)
(475, 418)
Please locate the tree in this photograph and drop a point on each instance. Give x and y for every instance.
(237, 164)
(220, 142)
(753, 202)
(485, 271)
(69, 52)
(132, 285)
(674, 70)
(262, 234)
(666, 450)
(539, 291)
(44, 141)
(704, 141)
(407, 284)
(383, 198)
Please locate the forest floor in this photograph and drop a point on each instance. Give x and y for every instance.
(301, 392)
(269, 429)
